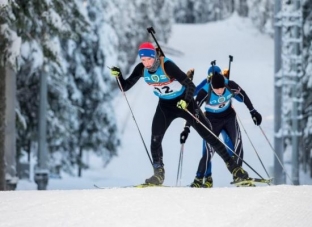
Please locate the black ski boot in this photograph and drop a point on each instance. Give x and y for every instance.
(208, 182)
(158, 177)
(237, 171)
(197, 183)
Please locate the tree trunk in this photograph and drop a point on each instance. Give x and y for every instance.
(10, 129)
(80, 162)
(2, 120)
(242, 8)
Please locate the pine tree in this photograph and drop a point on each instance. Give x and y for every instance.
(261, 14)
(307, 87)
(194, 11)
(40, 28)
(72, 42)
(2, 110)
(43, 53)
(9, 50)
(90, 89)
(130, 21)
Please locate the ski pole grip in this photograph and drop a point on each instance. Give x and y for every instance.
(230, 60)
(151, 30)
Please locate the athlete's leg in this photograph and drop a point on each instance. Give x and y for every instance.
(233, 131)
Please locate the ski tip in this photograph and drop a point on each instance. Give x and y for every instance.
(96, 186)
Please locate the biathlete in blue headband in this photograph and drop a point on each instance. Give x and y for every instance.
(175, 92)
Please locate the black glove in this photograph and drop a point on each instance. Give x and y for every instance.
(184, 134)
(256, 117)
(115, 71)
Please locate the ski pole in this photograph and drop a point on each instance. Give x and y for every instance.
(222, 142)
(123, 92)
(179, 175)
(252, 145)
(276, 155)
(181, 164)
(213, 63)
(230, 60)
(152, 32)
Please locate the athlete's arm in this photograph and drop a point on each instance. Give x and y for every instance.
(136, 74)
(240, 94)
(173, 71)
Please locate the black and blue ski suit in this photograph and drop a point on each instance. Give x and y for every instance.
(219, 111)
(171, 86)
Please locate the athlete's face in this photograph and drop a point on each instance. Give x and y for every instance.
(218, 91)
(147, 62)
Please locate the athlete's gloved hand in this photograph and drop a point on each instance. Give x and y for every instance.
(182, 104)
(115, 71)
(256, 117)
(190, 74)
(225, 72)
(184, 134)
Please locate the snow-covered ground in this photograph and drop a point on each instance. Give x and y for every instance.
(286, 206)
(224, 205)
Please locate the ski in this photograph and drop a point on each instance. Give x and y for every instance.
(250, 182)
(145, 185)
(104, 187)
(131, 186)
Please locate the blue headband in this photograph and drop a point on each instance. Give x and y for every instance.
(147, 53)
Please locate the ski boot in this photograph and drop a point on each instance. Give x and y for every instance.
(238, 172)
(158, 177)
(208, 182)
(197, 183)
(247, 184)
